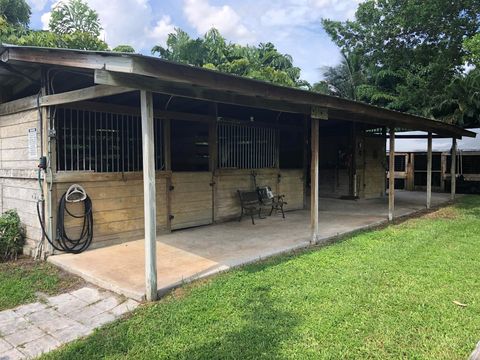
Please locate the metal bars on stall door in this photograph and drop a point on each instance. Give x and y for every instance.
(247, 147)
(103, 142)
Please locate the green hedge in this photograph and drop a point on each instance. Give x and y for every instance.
(12, 235)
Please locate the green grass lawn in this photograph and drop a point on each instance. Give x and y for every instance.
(21, 280)
(382, 294)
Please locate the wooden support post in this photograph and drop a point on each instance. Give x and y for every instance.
(149, 196)
(391, 179)
(453, 169)
(429, 170)
(314, 180)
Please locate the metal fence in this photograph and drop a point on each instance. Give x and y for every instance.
(247, 147)
(102, 141)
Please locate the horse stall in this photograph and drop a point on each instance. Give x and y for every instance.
(201, 161)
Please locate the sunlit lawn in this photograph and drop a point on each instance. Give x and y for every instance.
(382, 294)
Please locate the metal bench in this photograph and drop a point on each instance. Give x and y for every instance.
(268, 199)
(250, 203)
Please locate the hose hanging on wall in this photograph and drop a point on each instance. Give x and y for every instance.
(75, 194)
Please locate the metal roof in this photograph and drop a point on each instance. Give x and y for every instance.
(465, 144)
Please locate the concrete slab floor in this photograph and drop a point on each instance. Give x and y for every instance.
(189, 254)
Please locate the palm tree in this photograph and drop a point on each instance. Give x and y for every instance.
(461, 102)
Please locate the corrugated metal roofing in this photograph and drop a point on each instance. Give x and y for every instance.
(438, 145)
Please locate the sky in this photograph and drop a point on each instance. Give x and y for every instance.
(292, 25)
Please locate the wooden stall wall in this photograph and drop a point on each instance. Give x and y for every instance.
(287, 182)
(117, 208)
(291, 184)
(19, 187)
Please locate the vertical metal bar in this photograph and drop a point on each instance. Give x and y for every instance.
(123, 142)
(77, 118)
(65, 139)
(95, 157)
(277, 147)
(71, 140)
(222, 147)
(269, 147)
(95, 140)
(228, 140)
(102, 132)
(90, 141)
(262, 148)
(230, 145)
(128, 142)
(242, 145)
(83, 138)
(112, 142)
(117, 128)
(253, 154)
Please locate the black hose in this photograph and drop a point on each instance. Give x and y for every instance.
(63, 241)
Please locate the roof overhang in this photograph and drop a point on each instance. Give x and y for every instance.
(158, 75)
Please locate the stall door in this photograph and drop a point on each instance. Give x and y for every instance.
(191, 199)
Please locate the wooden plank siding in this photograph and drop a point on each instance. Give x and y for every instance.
(191, 199)
(227, 206)
(374, 180)
(117, 209)
(19, 187)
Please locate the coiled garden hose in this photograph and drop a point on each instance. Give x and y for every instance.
(64, 242)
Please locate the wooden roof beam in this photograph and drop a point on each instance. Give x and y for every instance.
(194, 92)
(33, 102)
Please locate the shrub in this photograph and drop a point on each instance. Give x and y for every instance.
(12, 235)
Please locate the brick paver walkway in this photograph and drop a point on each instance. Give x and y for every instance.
(30, 330)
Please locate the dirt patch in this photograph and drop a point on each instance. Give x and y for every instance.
(444, 213)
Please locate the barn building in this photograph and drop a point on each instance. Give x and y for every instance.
(160, 146)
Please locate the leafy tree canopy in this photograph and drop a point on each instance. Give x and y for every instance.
(212, 51)
(460, 104)
(409, 50)
(15, 12)
(74, 16)
(124, 49)
(74, 38)
(472, 49)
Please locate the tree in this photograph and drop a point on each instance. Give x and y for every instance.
(73, 39)
(73, 24)
(342, 80)
(472, 49)
(124, 49)
(212, 51)
(409, 49)
(74, 16)
(15, 12)
(461, 102)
